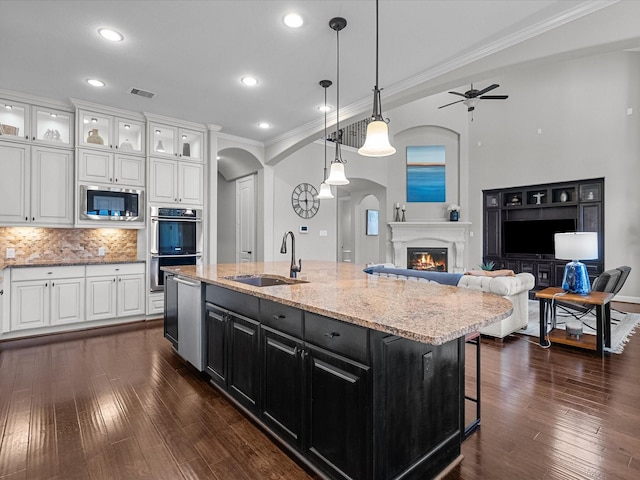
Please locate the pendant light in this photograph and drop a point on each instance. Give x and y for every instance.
(336, 174)
(376, 143)
(325, 188)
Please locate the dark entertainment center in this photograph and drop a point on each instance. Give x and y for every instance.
(519, 224)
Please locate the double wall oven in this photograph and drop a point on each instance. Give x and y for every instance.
(176, 239)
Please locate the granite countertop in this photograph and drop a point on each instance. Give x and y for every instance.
(67, 263)
(425, 312)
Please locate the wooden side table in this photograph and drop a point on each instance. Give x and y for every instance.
(600, 300)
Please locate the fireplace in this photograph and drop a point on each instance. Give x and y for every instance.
(429, 259)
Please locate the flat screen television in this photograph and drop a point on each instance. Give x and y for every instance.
(533, 237)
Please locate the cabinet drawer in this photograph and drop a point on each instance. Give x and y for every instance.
(241, 303)
(336, 336)
(281, 317)
(40, 273)
(114, 269)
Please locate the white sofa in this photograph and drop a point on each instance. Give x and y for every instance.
(515, 288)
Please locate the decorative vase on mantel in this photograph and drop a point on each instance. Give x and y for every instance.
(454, 215)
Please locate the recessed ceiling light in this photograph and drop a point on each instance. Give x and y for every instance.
(95, 82)
(264, 125)
(249, 81)
(325, 108)
(293, 20)
(111, 34)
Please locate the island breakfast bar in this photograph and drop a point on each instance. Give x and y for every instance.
(358, 376)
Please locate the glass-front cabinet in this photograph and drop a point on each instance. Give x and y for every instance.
(35, 124)
(98, 130)
(171, 141)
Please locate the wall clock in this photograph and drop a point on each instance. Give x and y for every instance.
(304, 200)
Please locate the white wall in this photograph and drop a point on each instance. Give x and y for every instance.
(304, 166)
(226, 219)
(368, 250)
(580, 108)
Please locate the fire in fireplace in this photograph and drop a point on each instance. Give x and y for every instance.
(430, 259)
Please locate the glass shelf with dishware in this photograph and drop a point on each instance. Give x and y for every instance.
(110, 132)
(176, 142)
(24, 122)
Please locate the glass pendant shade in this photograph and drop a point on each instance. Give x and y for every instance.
(377, 141)
(336, 175)
(325, 192)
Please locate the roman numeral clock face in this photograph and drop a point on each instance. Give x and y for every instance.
(304, 200)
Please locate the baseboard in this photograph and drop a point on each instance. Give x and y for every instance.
(626, 299)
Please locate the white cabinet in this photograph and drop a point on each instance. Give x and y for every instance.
(174, 141)
(176, 182)
(42, 296)
(115, 290)
(36, 185)
(35, 124)
(111, 132)
(110, 168)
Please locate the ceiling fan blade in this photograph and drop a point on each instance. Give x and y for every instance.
(458, 93)
(488, 89)
(495, 97)
(452, 103)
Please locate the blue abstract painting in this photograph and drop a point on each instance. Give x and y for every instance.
(426, 180)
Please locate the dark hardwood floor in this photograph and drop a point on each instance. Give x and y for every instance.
(117, 403)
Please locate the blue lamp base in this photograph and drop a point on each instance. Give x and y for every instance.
(576, 279)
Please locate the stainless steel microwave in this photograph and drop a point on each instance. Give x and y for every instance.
(111, 204)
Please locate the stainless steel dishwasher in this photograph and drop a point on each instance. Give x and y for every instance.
(189, 322)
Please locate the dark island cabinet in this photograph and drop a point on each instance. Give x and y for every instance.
(232, 353)
(282, 384)
(338, 414)
(350, 402)
(216, 344)
(244, 357)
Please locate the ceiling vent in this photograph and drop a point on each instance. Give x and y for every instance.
(141, 93)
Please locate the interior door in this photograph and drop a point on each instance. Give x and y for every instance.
(245, 220)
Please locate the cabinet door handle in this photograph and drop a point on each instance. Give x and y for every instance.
(279, 317)
(26, 219)
(332, 334)
(33, 138)
(116, 180)
(33, 219)
(53, 284)
(119, 279)
(114, 279)
(295, 351)
(304, 354)
(46, 284)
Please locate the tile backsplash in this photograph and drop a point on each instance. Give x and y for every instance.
(33, 245)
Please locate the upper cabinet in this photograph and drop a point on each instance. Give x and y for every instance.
(176, 142)
(25, 122)
(111, 132)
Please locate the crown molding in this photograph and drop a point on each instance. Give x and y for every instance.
(244, 140)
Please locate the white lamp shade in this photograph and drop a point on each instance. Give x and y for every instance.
(576, 245)
(336, 175)
(377, 142)
(325, 192)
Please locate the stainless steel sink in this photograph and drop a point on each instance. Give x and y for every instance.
(264, 280)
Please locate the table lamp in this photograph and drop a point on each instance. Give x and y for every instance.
(576, 246)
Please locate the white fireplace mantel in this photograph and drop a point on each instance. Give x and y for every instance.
(453, 235)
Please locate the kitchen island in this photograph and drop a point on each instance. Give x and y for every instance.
(358, 376)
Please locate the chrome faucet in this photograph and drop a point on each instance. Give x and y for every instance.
(294, 269)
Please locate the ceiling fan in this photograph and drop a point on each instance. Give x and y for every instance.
(473, 96)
